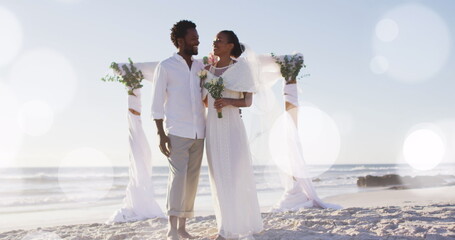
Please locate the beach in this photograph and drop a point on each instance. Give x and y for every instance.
(388, 214)
(54, 204)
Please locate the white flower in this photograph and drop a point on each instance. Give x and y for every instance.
(202, 74)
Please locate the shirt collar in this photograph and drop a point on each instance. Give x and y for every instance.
(181, 59)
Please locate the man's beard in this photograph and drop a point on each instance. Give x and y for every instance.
(191, 50)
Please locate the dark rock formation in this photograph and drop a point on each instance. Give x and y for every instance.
(399, 182)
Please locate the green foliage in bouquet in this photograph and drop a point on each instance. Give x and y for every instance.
(290, 66)
(131, 77)
(215, 87)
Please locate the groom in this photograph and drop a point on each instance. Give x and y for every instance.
(177, 99)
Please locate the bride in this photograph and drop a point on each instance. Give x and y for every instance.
(231, 174)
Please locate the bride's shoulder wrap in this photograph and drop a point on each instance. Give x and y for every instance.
(239, 77)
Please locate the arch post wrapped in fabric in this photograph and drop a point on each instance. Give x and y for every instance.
(139, 202)
(299, 190)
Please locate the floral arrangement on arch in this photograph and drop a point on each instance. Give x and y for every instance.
(290, 66)
(130, 76)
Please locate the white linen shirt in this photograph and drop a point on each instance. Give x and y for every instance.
(177, 97)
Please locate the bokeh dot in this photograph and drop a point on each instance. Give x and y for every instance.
(308, 150)
(86, 175)
(41, 235)
(10, 131)
(36, 117)
(44, 74)
(424, 147)
(387, 30)
(10, 36)
(415, 41)
(379, 64)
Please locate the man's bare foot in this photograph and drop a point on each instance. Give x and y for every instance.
(172, 234)
(184, 234)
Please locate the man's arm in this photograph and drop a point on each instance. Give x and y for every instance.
(159, 97)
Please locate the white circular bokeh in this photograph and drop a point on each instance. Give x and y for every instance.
(414, 41)
(10, 131)
(96, 164)
(258, 120)
(44, 74)
(447, 126)
(344, 121)
(379, 65)
(11, 36)
(36, 118)
(311, 149)
(41, 235)
(424, 147)
(387, 30)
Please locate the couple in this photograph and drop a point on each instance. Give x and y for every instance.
(178, 99)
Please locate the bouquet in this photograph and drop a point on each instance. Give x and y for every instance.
(215, 87)
(290, 66)
(131, 77)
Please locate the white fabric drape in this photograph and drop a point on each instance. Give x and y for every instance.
(139, 202)
(291, 94)
(299, 190)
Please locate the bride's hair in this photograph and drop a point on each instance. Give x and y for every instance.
(238, 47)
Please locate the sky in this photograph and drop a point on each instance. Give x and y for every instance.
(381, 72)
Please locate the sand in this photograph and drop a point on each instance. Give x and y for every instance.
(388, 214)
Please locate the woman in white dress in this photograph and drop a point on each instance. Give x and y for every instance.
(231, 173)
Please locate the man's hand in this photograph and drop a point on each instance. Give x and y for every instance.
(165, 145)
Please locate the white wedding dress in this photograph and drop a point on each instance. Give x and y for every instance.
(230, 164)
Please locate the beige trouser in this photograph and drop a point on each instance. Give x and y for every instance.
(184, 167)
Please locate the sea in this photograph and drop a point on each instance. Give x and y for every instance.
(29, 189)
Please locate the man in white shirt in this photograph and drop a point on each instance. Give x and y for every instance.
(177, 100)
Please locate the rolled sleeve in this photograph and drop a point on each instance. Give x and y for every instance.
(159, 92)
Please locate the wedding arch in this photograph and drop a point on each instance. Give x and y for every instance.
(139, 202)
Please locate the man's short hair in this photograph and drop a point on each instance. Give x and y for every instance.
(180, 29)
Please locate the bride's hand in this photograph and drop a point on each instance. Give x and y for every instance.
(221, 103)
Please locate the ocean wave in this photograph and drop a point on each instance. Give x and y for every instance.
(365, 168)
(54, 177)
